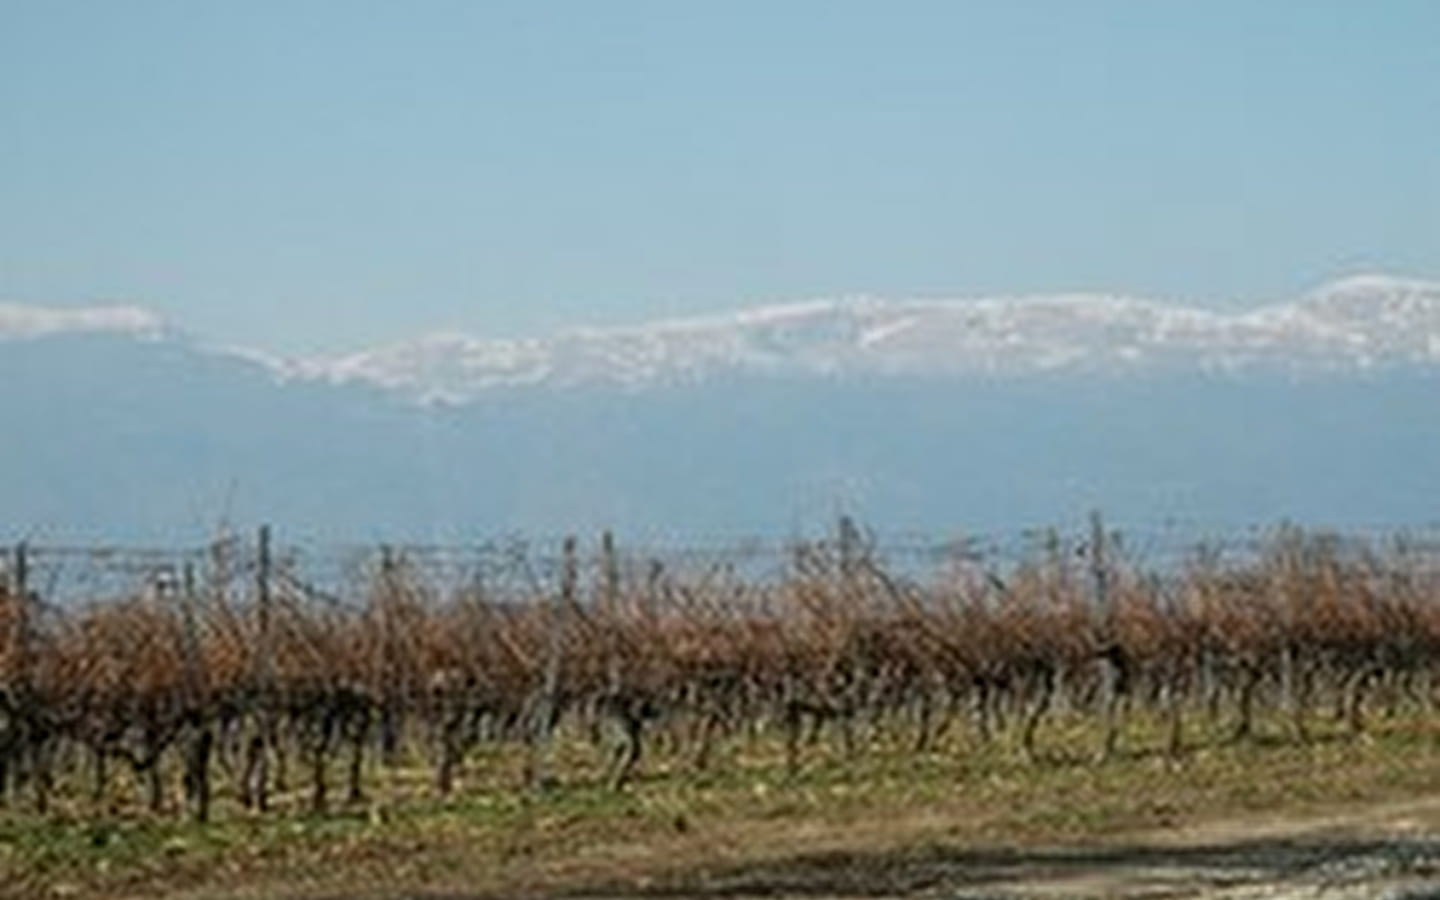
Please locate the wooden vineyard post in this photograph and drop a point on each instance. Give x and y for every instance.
(1112, 676)
(255, 782)
(845, 702)
(1292, 700)
(21, 636)
(849, 539)
(197, 754)
(1060, 587)
(611, 601)
(654, 589)
(383, 602)
(191, 637)
(390, 711)
(546, 708)
(27, 704)
(17, 641)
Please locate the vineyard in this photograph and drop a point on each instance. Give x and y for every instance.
(244, 675)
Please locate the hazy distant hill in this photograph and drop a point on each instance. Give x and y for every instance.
(912, 417)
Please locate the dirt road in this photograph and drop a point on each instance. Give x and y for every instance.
(1390, 850)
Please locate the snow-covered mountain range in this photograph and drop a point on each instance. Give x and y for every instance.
(932, 415)
(1357, 323)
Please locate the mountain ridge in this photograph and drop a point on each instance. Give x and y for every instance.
(124, 428)
(1352, 324)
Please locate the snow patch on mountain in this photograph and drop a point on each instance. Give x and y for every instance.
(1352, 324)
(22, 321)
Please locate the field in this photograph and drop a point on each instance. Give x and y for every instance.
(832, 721)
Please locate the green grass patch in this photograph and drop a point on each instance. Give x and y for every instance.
(493, 833)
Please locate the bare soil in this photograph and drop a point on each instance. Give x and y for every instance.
(1377, 850)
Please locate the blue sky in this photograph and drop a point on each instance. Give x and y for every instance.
(316, 176)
